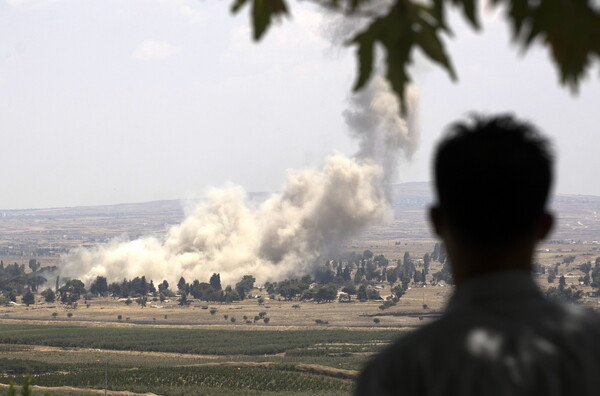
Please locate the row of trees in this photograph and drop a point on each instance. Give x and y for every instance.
(15, 281)
(355, 276)
(334, 279)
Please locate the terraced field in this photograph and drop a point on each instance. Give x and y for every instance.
(189, 361)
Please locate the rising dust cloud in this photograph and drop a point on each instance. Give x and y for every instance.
(314, 213)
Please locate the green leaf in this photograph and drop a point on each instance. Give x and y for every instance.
(406, 25)
(364, 54)
(237, 5)
(517, 14)
(429, 41)
(470, 11)
(261, 18)
(438, 11)
(263, 12)
(570, 29)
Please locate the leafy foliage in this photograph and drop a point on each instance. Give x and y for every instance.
(407, 25)
(263, 12)
(245, 285)
(564, 294)
(14, 280)
(569, 29)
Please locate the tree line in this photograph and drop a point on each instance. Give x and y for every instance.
(351, 277)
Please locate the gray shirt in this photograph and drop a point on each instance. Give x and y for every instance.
(499, 336)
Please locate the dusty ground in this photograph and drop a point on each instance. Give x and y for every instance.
(281, 313)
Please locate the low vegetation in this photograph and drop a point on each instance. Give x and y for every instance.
(205, 380)
(190, 341)
(239, 365)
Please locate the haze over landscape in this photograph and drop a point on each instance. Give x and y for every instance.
(112, 102)
(184, 211)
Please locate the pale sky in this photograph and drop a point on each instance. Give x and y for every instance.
(118, 101)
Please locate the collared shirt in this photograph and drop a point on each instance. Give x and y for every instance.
(499, 336)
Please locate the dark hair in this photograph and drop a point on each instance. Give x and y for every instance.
(493, 177)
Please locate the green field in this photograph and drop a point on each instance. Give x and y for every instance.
(190, 361)
(205, 342)
(278, 379)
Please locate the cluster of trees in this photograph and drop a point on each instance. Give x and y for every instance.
(357, 274)
(564, 293)
(15, 281)
(591, 277)
(354, 276)
(212, 291)
(139, 288)
(591, 274)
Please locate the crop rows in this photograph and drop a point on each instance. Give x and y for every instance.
(196, 341)
(191, 380)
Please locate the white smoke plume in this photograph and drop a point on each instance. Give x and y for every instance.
(286, 234)
(383, 135)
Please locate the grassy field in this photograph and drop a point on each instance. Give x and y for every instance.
(172, 361)
(213, 379)
(281, 313)
(196, 341)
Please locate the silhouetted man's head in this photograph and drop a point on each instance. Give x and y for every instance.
(493, 177)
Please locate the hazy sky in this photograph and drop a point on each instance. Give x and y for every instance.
(136, 100)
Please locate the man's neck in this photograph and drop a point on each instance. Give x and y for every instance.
(470, 263)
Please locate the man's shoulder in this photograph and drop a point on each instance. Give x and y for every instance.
(577, 320)
(404, 356)
(459, 337)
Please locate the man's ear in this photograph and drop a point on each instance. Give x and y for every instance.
(436, 219)
(546, 225)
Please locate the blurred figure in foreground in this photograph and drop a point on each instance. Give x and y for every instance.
(499, 335)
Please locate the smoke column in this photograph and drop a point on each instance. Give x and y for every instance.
(284, 236)
(383, 136)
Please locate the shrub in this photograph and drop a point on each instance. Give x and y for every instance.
(232, 319)
(266, 320)
(70, 315)
(49, 295)
(376, 320)
(54, 314)
(387, 304)
(213, 311)
(119, 317)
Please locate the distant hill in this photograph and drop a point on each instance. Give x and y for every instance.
(578, 215)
